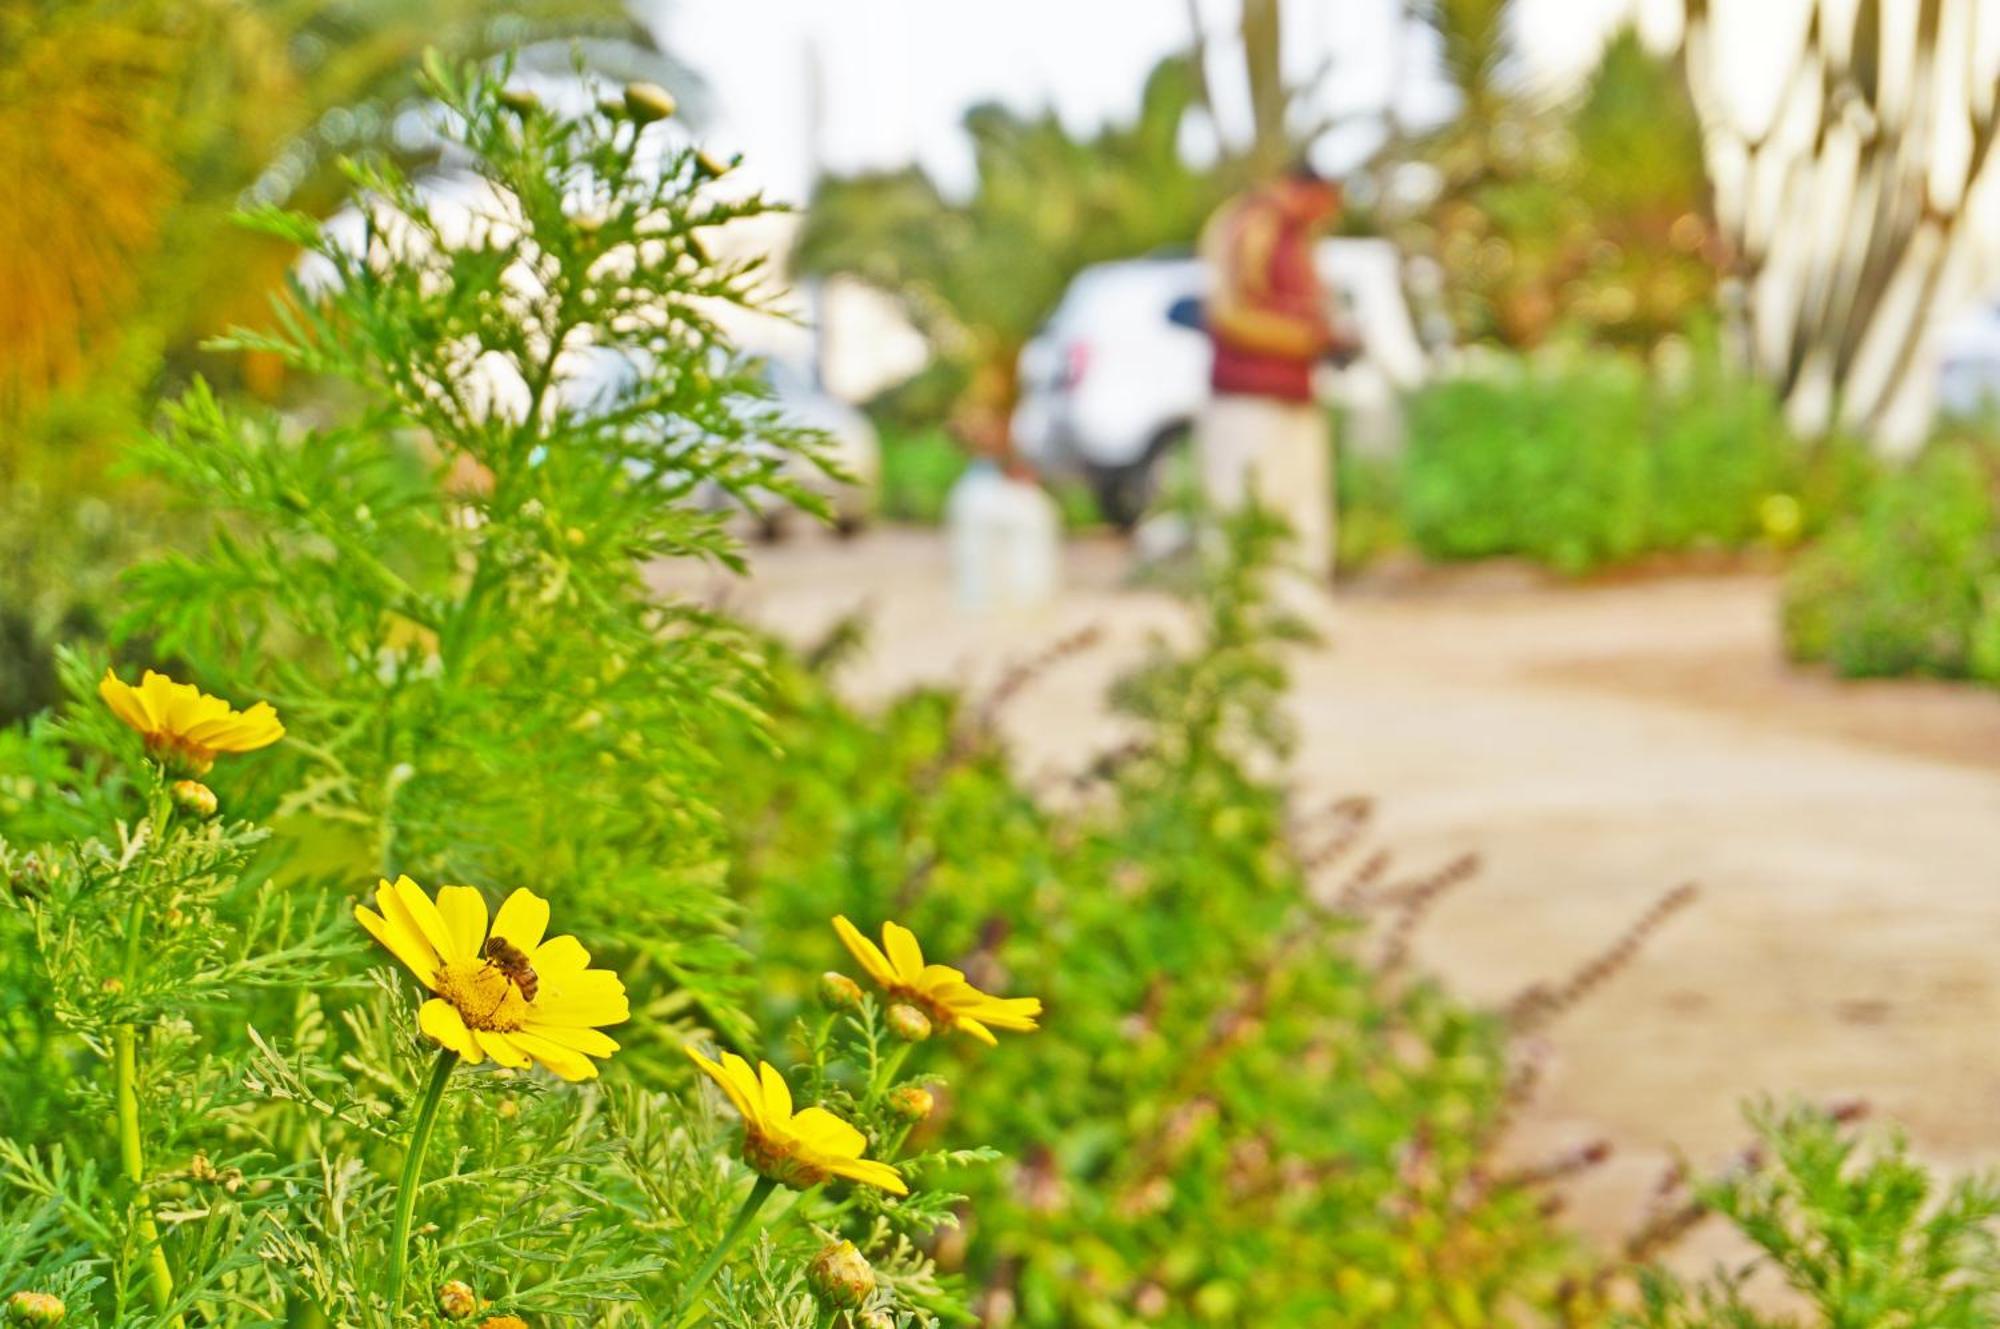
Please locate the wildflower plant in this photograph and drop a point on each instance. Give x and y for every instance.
(243, 1083)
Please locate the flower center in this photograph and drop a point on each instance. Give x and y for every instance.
(177, 752)
(941, 1015)
(485, 997)
(774, 1159)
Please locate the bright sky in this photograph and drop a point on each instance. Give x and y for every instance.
(877, 83)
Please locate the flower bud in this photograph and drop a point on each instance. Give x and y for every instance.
(194, 798)
(35, 1308)
(520, 101)
(112, 986)
(911, 1102)
(456, 1300)
(841, 1275)
(503, 1322)
(838, 992)
(876, 1319)
(908, 1023)
(647, 102)
(709, 166)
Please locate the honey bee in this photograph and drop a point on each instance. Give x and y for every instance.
(509, 960)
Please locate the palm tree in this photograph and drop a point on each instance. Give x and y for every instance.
(1850, 213)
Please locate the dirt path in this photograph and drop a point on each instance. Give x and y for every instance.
(1596, 746)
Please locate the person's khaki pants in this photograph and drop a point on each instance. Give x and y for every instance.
(1279, 452)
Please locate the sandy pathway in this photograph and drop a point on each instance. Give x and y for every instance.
(1596, 746)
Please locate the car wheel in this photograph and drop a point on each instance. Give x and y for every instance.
(1125, 494)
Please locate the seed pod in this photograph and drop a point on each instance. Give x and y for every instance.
(647, 102)
(456, 1300)
(841, 1276)
(194, 798)
(40, 1309)
(908, 1023)
(911, 1102)
(838, 992)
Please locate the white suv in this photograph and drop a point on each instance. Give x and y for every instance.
(1115, 378)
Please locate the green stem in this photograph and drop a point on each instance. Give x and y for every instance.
(131, 1147)
(887, 1070)
(413, 1166)
(737, 1227)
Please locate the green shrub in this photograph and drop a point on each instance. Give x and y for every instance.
(919, 468)
(1588, 462)
(1864, 1238)
(215, 1092)
(1904, 586)
(1236, 1116)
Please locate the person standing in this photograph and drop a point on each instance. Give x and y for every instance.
(1263, 435)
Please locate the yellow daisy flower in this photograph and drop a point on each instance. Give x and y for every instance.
(183, 725)
(941, 992)
(507, 994)
(797, 1149)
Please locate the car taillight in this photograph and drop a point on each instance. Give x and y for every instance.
(1076, 363)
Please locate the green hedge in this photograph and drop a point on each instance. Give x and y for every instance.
(1595, 462)
(1911, 583)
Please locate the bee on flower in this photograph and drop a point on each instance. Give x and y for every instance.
(798, 1149)
(936, 991)
(184, 727)
(507, 994)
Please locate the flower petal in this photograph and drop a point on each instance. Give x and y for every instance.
(904, 953)
(502, 1048)
(777, 1094)
(567, 1062)
(594, 996)
(403, 943)
(824, 1133)
(124, 701)
(746, 1107)
(442, 1023)
(559, 957)
(587, 1041)
(523, 918)
(424, 915)
(866, 953)
(967, 1025)
(464, 912)
(872, 1173)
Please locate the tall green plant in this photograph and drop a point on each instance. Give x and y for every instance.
(443, 588)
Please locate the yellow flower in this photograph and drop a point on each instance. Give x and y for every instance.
(183, 725)
(508, 995)
(937, 989)
(798, 1149)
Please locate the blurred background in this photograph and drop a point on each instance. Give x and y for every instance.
(1665, 462)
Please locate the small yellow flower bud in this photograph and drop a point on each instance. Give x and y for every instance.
(841, 1275)
(503, 1322)
(456, 1300)
(908, 1023)
(647, 102)
(911, 1102)
(520, 101)
(112, 986)
(612, 106)
(710, 166)
(839, 992)
(194, 798)
(875, 1319)
(40, 1309)
(509, 1109)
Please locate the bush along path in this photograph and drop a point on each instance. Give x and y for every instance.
(412, 992)
(464, 974)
